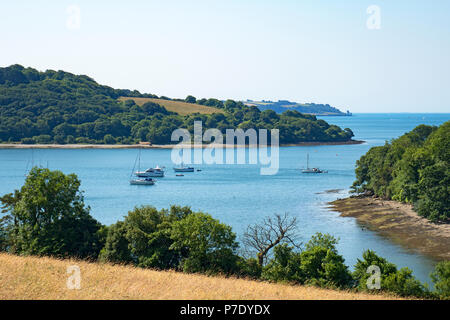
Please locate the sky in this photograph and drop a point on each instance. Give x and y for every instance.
(362, 56)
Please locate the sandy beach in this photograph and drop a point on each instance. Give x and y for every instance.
(399, 223)
(155, 146)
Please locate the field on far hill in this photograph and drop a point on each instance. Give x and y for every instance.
(179, 107)
(47, 278)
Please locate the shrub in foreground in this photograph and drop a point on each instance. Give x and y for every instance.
(319, 264)
(206, 245)
(172, 239)
(441, 279)
(400, 282)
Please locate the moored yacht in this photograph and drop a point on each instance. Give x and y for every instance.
(182, 168)
(143, 181)
(311, 170)
(151, 172)
(144, 177)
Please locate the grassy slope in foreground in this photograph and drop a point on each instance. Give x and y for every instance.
(398, 222)
(45, 278)
(179, 107)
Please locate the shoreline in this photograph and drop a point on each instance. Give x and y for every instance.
(398, 222)
(159, 146)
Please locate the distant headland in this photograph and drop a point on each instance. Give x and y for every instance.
(309, 108)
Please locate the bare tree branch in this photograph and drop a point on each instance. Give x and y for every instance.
(270, 232)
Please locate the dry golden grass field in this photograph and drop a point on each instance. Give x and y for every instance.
(46, 278)
(179, 107)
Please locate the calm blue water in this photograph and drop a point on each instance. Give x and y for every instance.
(237, 194)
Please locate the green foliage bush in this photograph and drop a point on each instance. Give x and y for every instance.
(190, 99)
(403, 283)
(319, 264)
(248, 268)
(47, 216)
(116, 247)
(143, 238)
(400, 282)
(172, 239)
(205, 244)
(441, 279)
(28, 141)
(285, 266)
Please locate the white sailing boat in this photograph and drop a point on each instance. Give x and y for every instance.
(311, 170)
(142, 177)
(182, 168)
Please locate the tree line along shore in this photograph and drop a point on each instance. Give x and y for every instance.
(156, 146)
(57, 107)
(412, 169)
(402, 191)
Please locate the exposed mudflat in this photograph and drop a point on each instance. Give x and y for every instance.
(398, 222)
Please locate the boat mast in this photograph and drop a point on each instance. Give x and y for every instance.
(307, 161)
(182, 158)
(139, 163)
(134, 166)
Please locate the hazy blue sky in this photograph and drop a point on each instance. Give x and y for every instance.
(306, 51)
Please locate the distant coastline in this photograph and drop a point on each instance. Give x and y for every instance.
(155, 146)
(281, 106)
(399, 223)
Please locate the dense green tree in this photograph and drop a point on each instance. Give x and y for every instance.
(116, 247)
(47, 216)
(173, 239)
(324, 267)
(248, 268)
(205, 244)
(5, 232)
(190, 99)
(143, 238)
(403, 283)
(319, 264)
(109, 139)
(370, 258)
(400, 282)
(321, 240)
(441, 279)
(285, 266)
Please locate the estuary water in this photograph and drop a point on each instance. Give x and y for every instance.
(237, 194)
